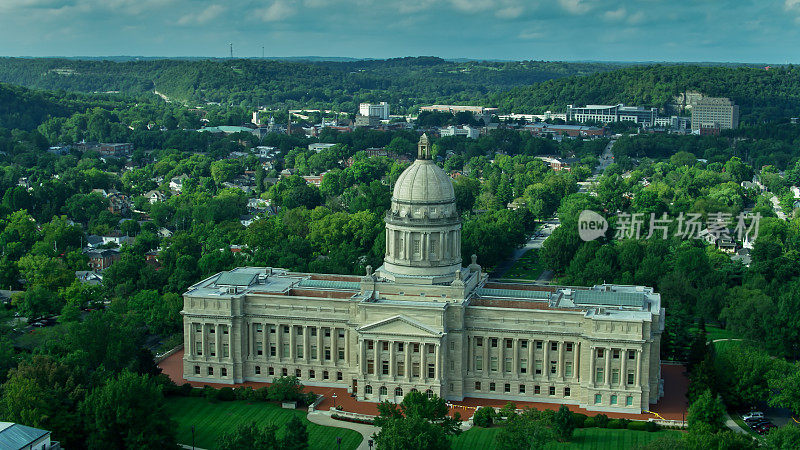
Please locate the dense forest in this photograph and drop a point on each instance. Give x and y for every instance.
(763, 95)
(403, 82)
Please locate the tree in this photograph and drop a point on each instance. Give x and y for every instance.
(36, 302)
(247, 436)
(563, 425)
(419, 422)
(784, 438)
(524, 431)
(128, 412)
(786, 388)
(295, 435)
(707, 409)
(484, 416)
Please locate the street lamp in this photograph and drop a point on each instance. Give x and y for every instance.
(192, 437)
(369, 442)
(339, 442)
(334, 400)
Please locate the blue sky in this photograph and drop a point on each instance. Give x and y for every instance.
(619, 30)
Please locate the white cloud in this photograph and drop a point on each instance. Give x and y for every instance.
(277, 11)
(510, 12)
(202, 17)
(792, 5)
(636, 18)
(615, 15)
(530, 34)
(575, 6)
(472, 6)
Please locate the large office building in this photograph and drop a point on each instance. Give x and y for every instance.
(612, 113)
(423, 321)
(714, 113)
(380, 110)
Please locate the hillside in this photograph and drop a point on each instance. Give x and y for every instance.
(404, 82)
(763, 95)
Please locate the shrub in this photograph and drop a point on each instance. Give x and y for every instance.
(209, 393)
(243, 393)
(617, 424)
(484, 416)
(579, 419)
(601, 420)
(226, 394)
(186, 390)
(652, 426)
(352, 419)
(637, 425)
(508, 410)
(590, 422)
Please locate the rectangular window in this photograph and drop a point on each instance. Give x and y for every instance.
(385, 346)
(493, 363)
(225, 350)
(599, 352)
(299, 331)
(431, 370)
(341, 353)
(613, 399)
(211, 331)
(341, 334)
(259, 328)
(479, 341)
(538, 345)
(631, 377)
(597, 399)
(477, 385)
(521, 388)
(285, 350)
(507, 388)
(272, 329)
(272, 371)
(416, 348)
(225, 330)
(325, 375)
(312, 374)
(566, 392)
(313, 351)
(615, 353)
(631, 354)
(568, 347)
(370, 366)
(299, 350)
(629, 401)
(523, 365)
(286, 328)
(537, 389)
(598, 375)
(211, 371)
(615, 376)
(523, 344)
(259, 349)
(338, 376)
(298, 373)
(273, 351)
(370, 345)
(399, 346)
(313, 331)
(568, 369)
(197, 370)
(385, 367)
(507, 365)
(401, 368)
(494, 342)
(212, 352)
(491, 387)
(284, 372)
(553, 366)
(479, 363)
(554, 346)
(415, 370)
(199, 347)
(509, 343)
(538, 367)
(327, 332)
(431, 349)
(258, 370)
(327, 353)
(552, 390)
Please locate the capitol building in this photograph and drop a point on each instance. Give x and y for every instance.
(422, 321)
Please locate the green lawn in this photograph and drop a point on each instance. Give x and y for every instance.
(213, 419)
(584, 438)
(528, 267)
(714, 333)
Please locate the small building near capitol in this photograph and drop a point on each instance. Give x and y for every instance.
(422, 321)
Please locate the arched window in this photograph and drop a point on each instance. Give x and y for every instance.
(368, 389)
(383, 390)
(398, 391)
(414, 390)
(429, 393)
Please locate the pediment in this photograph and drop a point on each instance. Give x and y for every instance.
(400, 326)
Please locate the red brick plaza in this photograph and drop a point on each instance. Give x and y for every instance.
(671, 407)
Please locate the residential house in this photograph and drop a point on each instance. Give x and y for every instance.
(100, 260)
(15, 436)
(176, 183)
(155, 196)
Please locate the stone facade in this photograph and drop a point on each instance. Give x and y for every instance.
(423, 322)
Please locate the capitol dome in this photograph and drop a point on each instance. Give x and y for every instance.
(423, 183)
(423, 231)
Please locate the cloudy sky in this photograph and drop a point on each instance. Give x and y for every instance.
(619, 30)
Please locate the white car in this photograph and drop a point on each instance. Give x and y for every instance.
(753, 415)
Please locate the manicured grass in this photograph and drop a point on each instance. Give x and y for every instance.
(584, 438)
(528, 267)
(211, 420)
(36, 337)
(714, 333)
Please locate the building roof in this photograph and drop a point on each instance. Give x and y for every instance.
(236, 278)
(424, 182)
(14, 436)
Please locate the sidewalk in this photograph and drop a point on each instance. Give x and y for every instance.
(324, 418)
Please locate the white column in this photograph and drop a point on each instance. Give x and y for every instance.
(203, 341)
(592, 366)
(408, 347)
(306, 347)
(278, 342)
(423, 362)
(561, 346)
(292, 343)
(334, 345)
(320, 347)
(392, 368)
(486, 370)
(638, 368)
(531, 362)
(576, 364)
(376, 362)
(347, 338)
(623, 373)
(515, 362)
(607, 372)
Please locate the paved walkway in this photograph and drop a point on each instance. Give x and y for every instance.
(730, 423)
(324, 418)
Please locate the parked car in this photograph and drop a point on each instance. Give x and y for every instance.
(753, 415)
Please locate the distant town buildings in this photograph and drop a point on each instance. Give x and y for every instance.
(711, 114)
(612, 113)
(478, 110)
(466, 130)
(380, 110)
(320, 146)
(546, 129)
